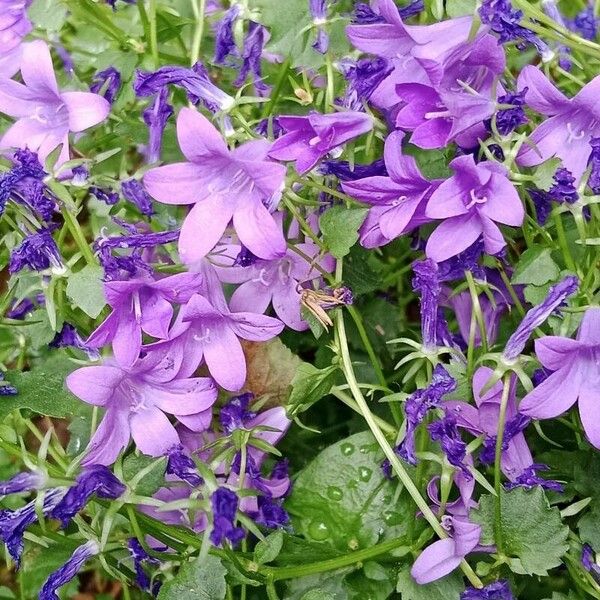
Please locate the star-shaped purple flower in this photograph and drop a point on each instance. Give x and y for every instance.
(222, 184)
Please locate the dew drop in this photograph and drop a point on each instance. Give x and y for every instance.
(365, 448)
(318, 531)
(347, 449)
(364, 474)
(335, 493)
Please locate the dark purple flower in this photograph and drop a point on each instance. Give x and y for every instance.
(426, 284)
(270, 513)
(588, 561)
(342, 170)
(182, 466)
(508, 119)
(513, 428)
(106, 83)
(318, 11)
(468, 260)
(224, 504)
(363, 77)
(224, 39)
(93, 480)
(540, 375)
(23, 482)
(497, 590)
(133, 191)
(445, 431)
(107, 196)
(13, 523)
(585, 23)
(564, 189)
(418, 405)
(594, 161)
(19, 310)
(263, 128)
(6, 389)
(245, 258)
(251, 54)
(364, 15)
(140, 559)
(68, 571)
(156, 116)
(80, 175)
(530, 479)
(38, 251)
(194, 81)
(537, 315)
(68, 336)
(235, 414)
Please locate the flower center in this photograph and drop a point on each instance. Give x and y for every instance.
(475, 199)
(53, 115)
(574, 136)
(398, 200)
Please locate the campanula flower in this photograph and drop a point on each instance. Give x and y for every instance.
(156, 116)
(222, 185)
(182, 466)
(530, 479)
(254, 42)
(508, 119)
(426, 283)
(140, 559)
(445, 431)
(224, 38)
(68, 337)
(589, 562)
(44, 114)
(224, 504)
(135, 402)
(133, 191)
(38, 251)
(398, 200)
(575, 377)
(570, 125)
(14, 26)
(472, 201)
(497, 590)
(235, 414)
(585, 23)
(107, 83)
(363, 76)
(69, 570)
(23, 482)
(141, 305)
(308, 139)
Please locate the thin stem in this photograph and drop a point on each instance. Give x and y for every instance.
(562, 240)
(199, 11)
(498, 463)
(401, 472)
(78, 236)
(348, 401)
(153, 32)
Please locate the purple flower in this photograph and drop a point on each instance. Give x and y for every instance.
(13, 523)
(141, 558)
(182, 466)
(251, 54)
(345, 172)
(156, 116)
(23, 482)
(445, 432)
(497, 590)
(38, 251)
(594, 161)
(318, 11)
(68, 337)
(235, 414)
(550, 7)
(141, 305)
(133, 191)
(576, 376)
(563, 190)
(136, 400)
(483, 419)
(224, 38)
(107, 83)
(14, 26)
(69, 570)
(277, 282)
(585, 23)
(209, 330)
(572, 123)
(224, 504)
(530, 479)
(103, 195)
(270, 513)
(508, 119)
(6, 389)
(588, 561)
(364, 14)
(418, 405)
(472, 201)
(363, 76)
(194, 81)
(398, 200)
(557, 295)
(308, 139)
(221, 184)
(427, 284)
(44, 114)
(95, 480)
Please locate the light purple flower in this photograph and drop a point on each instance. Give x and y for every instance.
(156, 116)
(141, 305)
(44, 114)
(14, 26)
(135, 402)
(277, 282)
(570, 125)
(254, 43)
(483, 419)
(308, 139)
(23, 482)
(209, 330)
(472, 201)
(222, 185)
(224, 36)
(398, 201)
(68, 571)
(576, 376)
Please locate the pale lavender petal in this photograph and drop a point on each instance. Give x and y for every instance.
(95, 385)
(589, 329)
(110, 438)
(453, 236)
(493, 239)
(152, 432)
(258, 231)
(198, 137)
(85, 109)
(541, 95)
(555, 352)
(447, 200)
(37, 70)
(255, 328)
(286, 304)
(127, 341)
(179, 183)
(225, 359)
(251, 296)
(185, 396)
(589, 407)
(157, 313)
(432, 134)
(436, 561)
(503, 204)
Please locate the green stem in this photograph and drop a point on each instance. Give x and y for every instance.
(270, 105)
(199, 11)
(401, 472)
(562, 240)
(78, 236)
(348, 401)
(498, 464)
(153, 32)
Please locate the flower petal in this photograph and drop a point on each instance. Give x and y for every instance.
(85, 109)
(258, 230)
(453, 236)
(435, 562)
(37, 70)
(95, 385)
(198, 138)
(225, 359)
(179, 183)
(152, 432)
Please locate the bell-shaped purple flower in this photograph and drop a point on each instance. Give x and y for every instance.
(224, 506)
(308, 139)
(107, 83)
(133, 191)
(38, 251)
(497, 590)
(254, 43)
(182, 466)
(156, 116)
(472, 201)
(222, 185)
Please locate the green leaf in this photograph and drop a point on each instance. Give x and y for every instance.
(86, 290)
(317, 595)
(40, 330)
(152, 481)
(43, 390)
(339, 226)
(589, 526)
(197, 580)
(268, 549)
(535, 267)
(544, 174)
(532, 531)
(343, 498)
(458, 8)
(309, 386)
(361, 271)
(447, 588)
